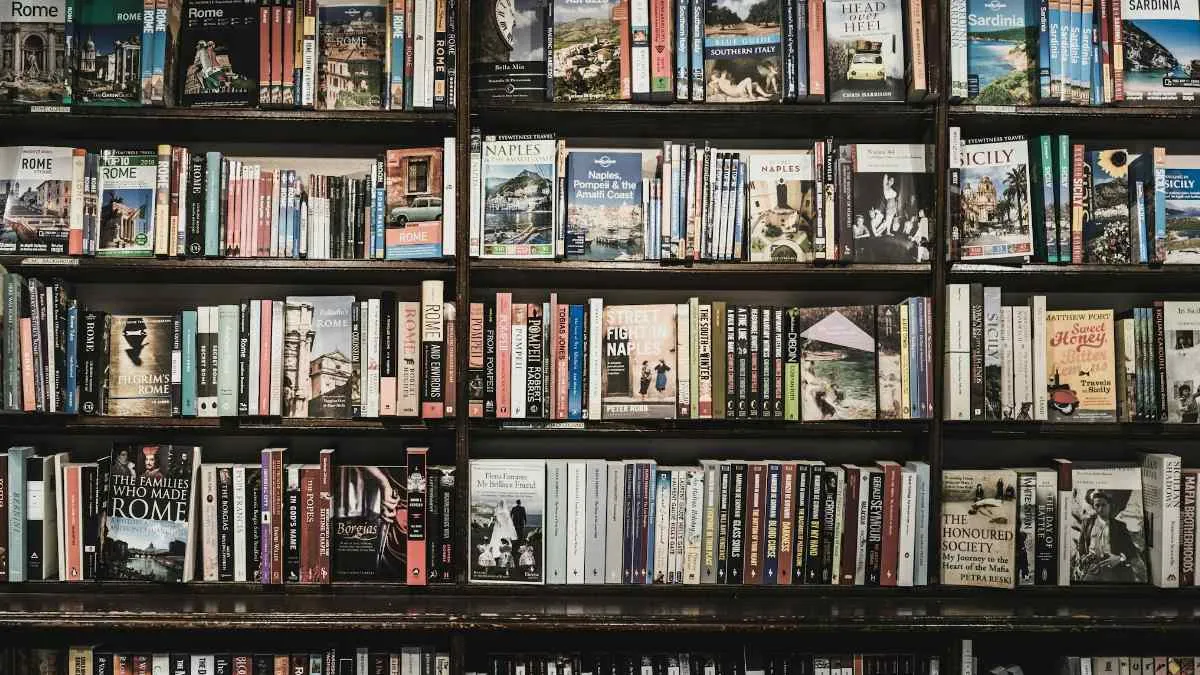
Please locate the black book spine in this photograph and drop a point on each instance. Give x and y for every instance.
(977, 348)
(534, 362)
(433, 524)
(1160, 359)
(180, 664)
(800, 543)
(103, 469)
(222, 664)
(777, 364)
(57, 347)
(766, 352)
(102, 663)
(35, 523)
(223, 210)
(489, 359)
(387, 349)
(845, 197)
(1045, 550)
(176, 365)
(730, 362)
(93, 345)
(261, 664)
(812, 562)
(224, 523)
(243, 400)
(37, 313)
(90, 502)
(755, 364)
(356, 351)
(447, 552)
(291, 533)
(737, 524)
(360, 219)
(829, 497)
(194, 239)
(875, 528)
(742, 366)
(253, 523)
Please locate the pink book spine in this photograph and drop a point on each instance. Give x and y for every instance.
(503, 355)
(562, 379)
(28, 404)
(264, 359)
(417, 490)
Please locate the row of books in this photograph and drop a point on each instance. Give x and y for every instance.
(537, 197)
(304, 356)
(155, 513)
(1129, 665)
(172, 201)
(1076, 365)
(1073, 52)
(749, 662)
(103, 660)
(766, 522)
(323, 54)
(561, 361)
(723, 52)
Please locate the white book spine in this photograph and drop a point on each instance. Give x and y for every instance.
(1006, 363)
(576, 523)
(694, 525)
(76, 219)
(372, 366)
(208, 520)
(421, 68)
(162, 193)
(475, 195)
(908, 528)
(595, 358)
(519, 362)
(615, 529)
(683, 343)
(449, 197)
(675, 541)
(363, 329)
(921, 546)
(958, 49)
(596, 517)
(704, 404)
(408, 386)
(1161, 479)
(1022, 364)
(556, 516)
(639, 58)
(239, 522)
(60, 521)
(1037, 322)
(207, 318)
(864, 508)
(276, 194)
(276, 357)
(957, 401)
(255, 352)
(958, 387)
(202, 664)
(662, 524)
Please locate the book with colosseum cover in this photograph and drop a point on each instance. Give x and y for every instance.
(319, 367)
(109, 39)
(604, 206)
(782, 206)
(37, 74)
(218, 60)
(996, 221)
(587, 50)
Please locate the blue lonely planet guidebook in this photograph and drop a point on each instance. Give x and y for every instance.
(1001, 52)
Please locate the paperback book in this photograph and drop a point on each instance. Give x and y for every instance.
(350, 46)
(1181, 323)
(218, 64)
(33, 53)
(1181, 194)
(1081, 366)
(837, 363)
(864, 50)
(149, 532)
(319, 372)
(370, 523)
(127, 184)
(1002, 52)
(35, 199)
(892, 202)
(139, 366)
(742, 52)
(604, 206)
(518, 191)
(508, 49)
(1107, 531)
(413, 181)
(1106, 230)
(640, 370)
(1161, 49)
(996, 222)
(507, 503)
(108, 70)
(587, 49)
(781, 206)
(979, 517)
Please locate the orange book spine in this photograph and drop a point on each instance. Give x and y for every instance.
(1077, 204)
(475, 361)
(503, 355)
(28, 402)
(816, 48)
(74, 523)
(451, 385)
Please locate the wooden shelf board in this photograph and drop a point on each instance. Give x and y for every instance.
(229, 270)
(1081, 430)
(50, 423)
(1078, 278)
(702, 428)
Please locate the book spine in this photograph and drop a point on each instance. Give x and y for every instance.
(958, 49)
(771, 548)
(682, 50)
(433, 346)
(683, 361)
(5, 515)
(209, 530)
(535, 393)
(177, 366)
(292, 523)
(1064, 520)
(451, 379)
(17, 506)
(736, 556)
(1118, 51)
(1161, 476)
(755, 499)
(639, 28)
(1160, 360)
(1045, 548)
(875, 530)
(704, 361)
(787, 522)
(1077, 203)
(816, 49)
(829, 521)
(489, 360)
(724, 473)
(977, 352)
(661, 75)
(594, 369)
(503, 355)
(1187, 528)
(324, 517)
(1062, 169)
(575, 362)
(417, 535)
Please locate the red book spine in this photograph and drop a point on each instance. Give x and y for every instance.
(264, 51)
(816, 48)
(475, 361)
(891, 524)
(309, 532)
(74, 523)
(417, 491)
(450, 389)
(503, 355)
(276, 53)
(241, 665)
(620, 15)
(289, 53)
(1077, 204)
(787, 522)
(141, 664)
(265, 183)
(1103, 8)
(562, 380)
(28, 402)
(752, 566)
(849, 541)
(264, 358)
(324, 533)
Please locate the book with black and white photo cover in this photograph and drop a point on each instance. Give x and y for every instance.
(864, 51)
(35, 199)
(351, 38)
(518, 182)
(1106, 233)
(318, 369)
(604, 206)
(640, 373)
(370, 523)
(978, 529)
(1107, 525)
(837, 363)
(508, 49)
(109, 52)
(33, 53)
(1181, 323)
(1181, 196)
(149, 531)
(742, 52)
(782, 205)
(507, 512)
(892, 202)
(127, 183)
(219, 50)
(587, 50)
(994, 201)
(138, 381)
(1081, 366)
(1161, 48)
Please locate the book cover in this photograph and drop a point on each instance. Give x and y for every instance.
(1181, 195)
(33, 52)
(1081, 366)
(127, 184)
(892, 200)
(148, 531)
(864, 50)
(1161, 46)
(1181, 321)
(108, 66)
(639, 362)
(507, 505)
(508, 50)
(1002, 52)
(350, 48)
(979, 518)
(1106, 230)
(742, 51)
(35, 198)
(996, 219)
(219, 53)
(317, 364)
(604, 206)
(518, 189)
(139, 366)
(1107, 530)
(587, 50)
(837, 363)
(413, 185)
(782, 206)
(890, 366)
(370, 523)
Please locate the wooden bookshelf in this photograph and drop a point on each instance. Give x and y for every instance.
(1048, 278)
(231, 270)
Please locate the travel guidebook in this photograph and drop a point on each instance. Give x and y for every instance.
(350, 53)
(507, 502)
(109, 42)
(864, 50)
(33, 57)
(979, 514)
(126, 186)
(518, 193)
(1106, 230)
(370, 523)
(1162, 49)
(1182, 209)
(742, 51)
(893, 202)
(413, 185)
(1002, 52)
(782, 206)
(1081, 366)
(604, 206)
(587, 50)
(1107, 530)
(837, 363)
(149, 533)
(640, 371)
(35, 199)
(996, 220)
(1181, 323)
(138, 380)
(318, 369)
(218, 61)
(508, 49)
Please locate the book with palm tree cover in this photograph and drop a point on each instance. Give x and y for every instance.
(995, 216)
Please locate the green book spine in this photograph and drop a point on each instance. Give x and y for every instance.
(16, 512)
(791, 365)
(1062, 165)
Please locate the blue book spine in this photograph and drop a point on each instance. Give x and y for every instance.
(801, 48)
(160, 51)
(294, 247)
(212, 204)
(739, 207)
(71, 395)
(1160, 210)
(148, 47)
(188, 354)
(16, 512)
(1053, 49)
(683, 50)
(697, 54)
(575, 364)
(1097, 74)
(380, 203)
(915, 321)
(398, 92)
(651, 497)
(1044, 88)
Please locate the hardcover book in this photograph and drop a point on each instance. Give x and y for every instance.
(604, 206)
(1182, 209)
(782, 206)
(370, 523)
(507, 504)
(1181, 323)
(350, 49)
(587, 50)
(33, 54)
(1106, 230)
(1002, 52)
(413, 184)
(979, 517)
(35, 199)
(837, 363)
(994, 202)
(864, 50)
(1081, 366)
(892, 202)
(127, 184)
(639, 362)
(1161, 49)
(742, 52)
(519, 192)
(318, 371)
(149, 532)
(139, 366)
(508, 49)
(108, 63)
(218, 64)
(1107, 533)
